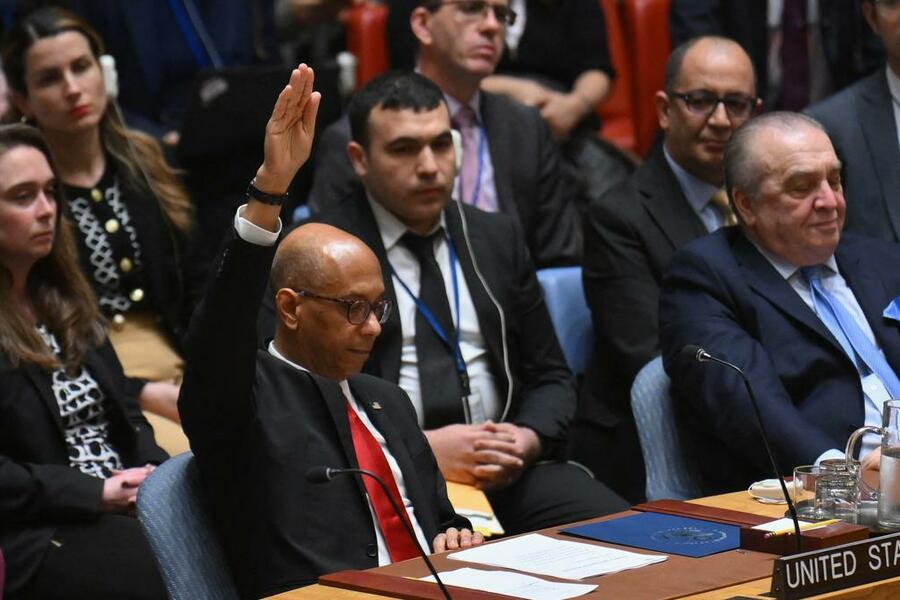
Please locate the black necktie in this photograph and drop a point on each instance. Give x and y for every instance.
(438, 378)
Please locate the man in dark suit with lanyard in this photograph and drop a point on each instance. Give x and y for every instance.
(510, 163)
(259, 419)
(471, 341)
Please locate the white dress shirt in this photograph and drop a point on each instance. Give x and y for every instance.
(835, 284)
(485, 401)
(249, 232)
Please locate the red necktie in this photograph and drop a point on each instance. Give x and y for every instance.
(371, 458)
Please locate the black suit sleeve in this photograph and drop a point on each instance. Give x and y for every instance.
(621, 288)
(691, 18)
(547, 388)
(217, 394)
(554, 234)
(32, 492)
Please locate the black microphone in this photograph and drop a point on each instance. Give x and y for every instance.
(697, 353)
(324, 474)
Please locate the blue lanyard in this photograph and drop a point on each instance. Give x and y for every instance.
(200, 52)
(476, 193)
(433, 322)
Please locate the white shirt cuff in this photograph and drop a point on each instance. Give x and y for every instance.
(829, 454)
(252, 233)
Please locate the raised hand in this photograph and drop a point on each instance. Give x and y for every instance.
(289, 132)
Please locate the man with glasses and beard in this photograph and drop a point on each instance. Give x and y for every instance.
(631, 234)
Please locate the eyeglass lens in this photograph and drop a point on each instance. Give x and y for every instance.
(736, 105)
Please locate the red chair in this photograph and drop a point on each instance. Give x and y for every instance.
(2, 573)
(617, 112)
(366, 26)
(646, 26)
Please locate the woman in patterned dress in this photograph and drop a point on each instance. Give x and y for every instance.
(74, 446)
(131, 214)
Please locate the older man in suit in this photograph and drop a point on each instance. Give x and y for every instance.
(258, 420)
(863, 121)
(510, 163)
(471, 341)
(807, 312)
(631, 234)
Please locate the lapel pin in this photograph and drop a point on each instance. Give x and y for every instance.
(376, 406)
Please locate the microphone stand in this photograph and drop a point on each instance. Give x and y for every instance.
(701, 355)
(324, 474)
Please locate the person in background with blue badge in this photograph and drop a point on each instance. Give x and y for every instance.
(803, 309)
(471, 341)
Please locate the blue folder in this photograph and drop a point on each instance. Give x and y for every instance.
(663, 533)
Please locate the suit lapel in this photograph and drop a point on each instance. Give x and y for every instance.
(41, 381)
(768, 283)
(493, 122)
(880, 131)
(872, 297)
(337, 407)
(664, 200)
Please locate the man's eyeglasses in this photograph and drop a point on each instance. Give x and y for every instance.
(738, 106)
(478, 9)
(889, 4)
(358, 311)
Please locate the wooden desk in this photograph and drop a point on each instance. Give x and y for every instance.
(883, 590)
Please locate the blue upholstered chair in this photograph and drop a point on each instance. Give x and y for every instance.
(172, 511)
(668, 472)
(564, 295)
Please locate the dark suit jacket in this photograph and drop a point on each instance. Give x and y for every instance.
(257, 424)
(539, 389)
(530, 186)
(38, 488)
(860, 121)
(630, 236)
(851, 49)
(720, 293)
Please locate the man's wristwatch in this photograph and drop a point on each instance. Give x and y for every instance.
(257, 194)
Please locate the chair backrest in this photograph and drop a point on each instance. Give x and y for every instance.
(668, 472)
(617, 111)
(2, 573)
(646, 24)
(564, 295)
(172, 511)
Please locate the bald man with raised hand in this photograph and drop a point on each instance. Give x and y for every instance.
(258, 420)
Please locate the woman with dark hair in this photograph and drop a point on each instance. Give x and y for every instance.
(132, 217)
(74, 447)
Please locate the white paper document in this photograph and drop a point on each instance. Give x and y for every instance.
(535, 553)
(513, 584)
(775, 525)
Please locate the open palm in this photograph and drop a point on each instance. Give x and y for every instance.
(290, 130)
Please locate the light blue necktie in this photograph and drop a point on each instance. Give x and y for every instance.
(852, 338)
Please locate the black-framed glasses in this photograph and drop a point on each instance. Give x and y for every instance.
(478, 9)
(702, 102)
(889, 4)
(358, 311)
